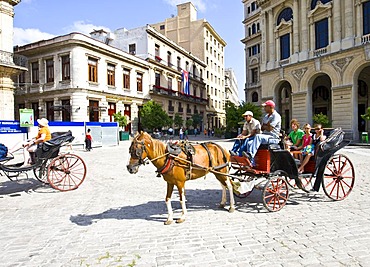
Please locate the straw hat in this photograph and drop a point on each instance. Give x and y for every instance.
(43, 122)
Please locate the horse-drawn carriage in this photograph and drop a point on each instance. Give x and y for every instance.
(63, 171)
(274, 172)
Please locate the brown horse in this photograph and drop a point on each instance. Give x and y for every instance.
(176, 170)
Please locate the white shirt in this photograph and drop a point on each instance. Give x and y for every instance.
(252, 125)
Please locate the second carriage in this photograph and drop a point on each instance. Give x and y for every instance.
(63, 171)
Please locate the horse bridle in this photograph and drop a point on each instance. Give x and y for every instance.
(137, 153)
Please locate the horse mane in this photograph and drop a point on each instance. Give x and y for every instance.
(158, 146)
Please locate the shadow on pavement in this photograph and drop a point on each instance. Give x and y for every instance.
(13, 188)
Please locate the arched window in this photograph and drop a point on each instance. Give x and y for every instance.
(253, 28)
(286, 14)
(314, 3)
(321, 92)
(255, 97)
(249, 31)
(258, 27)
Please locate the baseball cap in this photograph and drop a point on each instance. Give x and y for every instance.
(247, 113)
(269, 103)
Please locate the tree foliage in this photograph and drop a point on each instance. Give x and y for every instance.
(321, 119)
(154, 117)
(121, 119)
(234, 113)
(197, 119)
(178, 121)
(366, 116)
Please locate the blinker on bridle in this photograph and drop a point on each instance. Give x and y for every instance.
(137, 153)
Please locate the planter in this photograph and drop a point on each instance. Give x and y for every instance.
(124, 136)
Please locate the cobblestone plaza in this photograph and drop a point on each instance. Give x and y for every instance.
(116, 219)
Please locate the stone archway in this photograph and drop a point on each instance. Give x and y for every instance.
(321, 96)
(284, 105)
(363, 84)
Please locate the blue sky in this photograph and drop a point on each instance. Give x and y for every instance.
(43, 19)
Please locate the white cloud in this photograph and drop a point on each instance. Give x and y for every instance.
(200, 4)
(25, 36)
(83, 27)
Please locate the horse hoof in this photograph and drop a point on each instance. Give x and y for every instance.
(167, 222)
(221, 206)
(180, 220)
(231, 209)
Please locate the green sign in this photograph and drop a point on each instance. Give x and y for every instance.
(26, 117)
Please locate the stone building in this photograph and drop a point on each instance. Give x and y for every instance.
(252, 42)
(168, 61)
(8, 65)
(200, 38)
(231, 87)
(77, 78)
(314, 58)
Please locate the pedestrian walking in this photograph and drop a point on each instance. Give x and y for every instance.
(88, 140)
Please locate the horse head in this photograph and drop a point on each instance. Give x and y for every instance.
(138, 151)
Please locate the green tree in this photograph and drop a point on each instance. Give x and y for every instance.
(197, 119)
(321, 119)
(153, 116)
(366, 116)
(189, 123)
(178, 121)
(234, 113)
(121, 119)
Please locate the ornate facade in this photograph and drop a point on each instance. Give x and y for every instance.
(8, 65)
(315, 59)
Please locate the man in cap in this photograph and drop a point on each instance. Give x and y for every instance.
(250, 129)
(271, 125)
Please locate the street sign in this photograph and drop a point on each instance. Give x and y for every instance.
(26, 117)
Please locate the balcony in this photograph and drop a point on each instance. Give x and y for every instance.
(171, 108)
(158, 90)
(319, 52)
(188, 111)
(366, 39)
(180, 110)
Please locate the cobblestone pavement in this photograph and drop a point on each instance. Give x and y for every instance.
(116, 219)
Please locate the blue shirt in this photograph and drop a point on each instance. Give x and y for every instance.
(275, 121)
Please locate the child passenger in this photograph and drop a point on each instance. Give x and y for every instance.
(307, 148)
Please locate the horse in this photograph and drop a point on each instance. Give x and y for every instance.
(176, 170)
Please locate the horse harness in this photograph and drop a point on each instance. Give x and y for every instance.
(174, 150)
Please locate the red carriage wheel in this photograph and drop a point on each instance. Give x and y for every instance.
(66, 172)
(339, 177)
(275, 193)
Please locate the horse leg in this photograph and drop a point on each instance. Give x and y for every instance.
(223, 197)
(231, 194)
(181, 190)
(168, 204)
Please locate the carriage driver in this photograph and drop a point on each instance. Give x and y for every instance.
(271, 124)
(30, 146)
(250, 129)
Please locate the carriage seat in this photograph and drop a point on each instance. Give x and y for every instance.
(50, 148)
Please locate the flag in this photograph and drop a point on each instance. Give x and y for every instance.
(185, 82)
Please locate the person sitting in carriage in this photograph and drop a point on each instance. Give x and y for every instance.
(271, 125)
(309, 143)
(30, 146)
(250, 129)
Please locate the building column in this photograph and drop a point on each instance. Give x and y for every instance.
(348, 22)
(271, 40)
(344, 115)
(295, 39)
(304, 36)
(359, 26)
(263, 44)
(336, 45)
